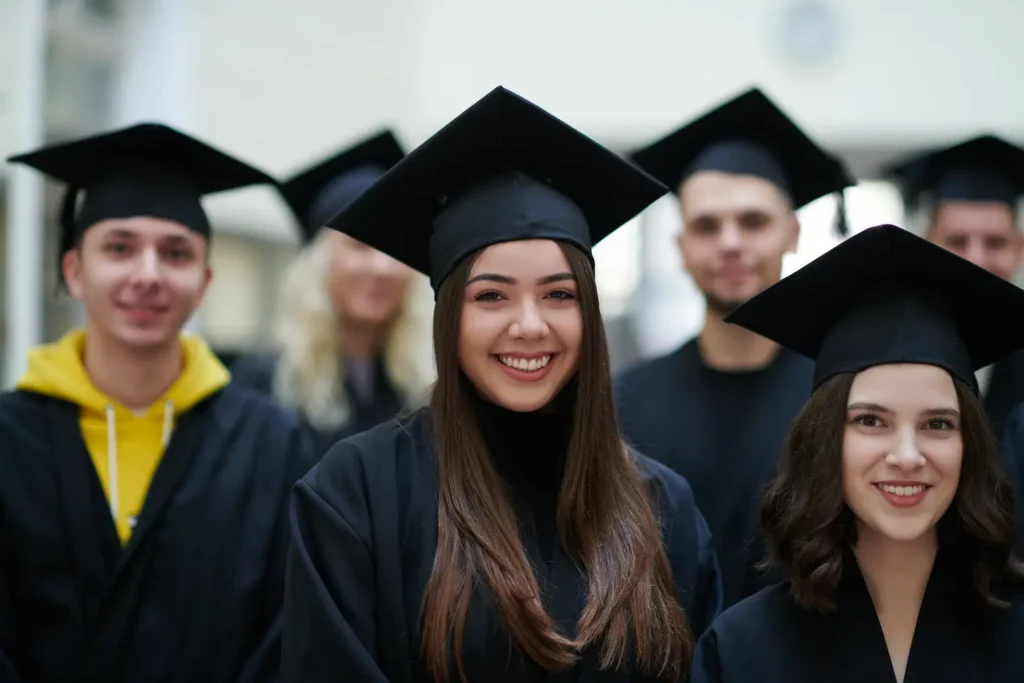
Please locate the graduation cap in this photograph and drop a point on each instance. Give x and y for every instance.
(320, 191)
(887, 296)
(501, 171)
(749, 135)
(148, 169)
(982, 169)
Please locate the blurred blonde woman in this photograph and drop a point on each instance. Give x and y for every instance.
(349, 335)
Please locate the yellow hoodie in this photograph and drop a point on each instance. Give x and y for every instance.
(125, 446)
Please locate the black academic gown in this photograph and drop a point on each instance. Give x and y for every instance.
(365, 535)
(767, 639)
(1013, 453)
(257, 372)
(1005, 389)
(724, 432)
(194, 596)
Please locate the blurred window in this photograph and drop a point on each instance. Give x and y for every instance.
(869, 203)
(617, 259)
(84, 51)
(84, 54)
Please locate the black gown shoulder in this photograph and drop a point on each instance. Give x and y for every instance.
(364, 538)
(1005, 389)
(1013, 460)
(688, 543)
(723, 431)
(196, 594)
(768, 638)
(255, 371)
(258, 370)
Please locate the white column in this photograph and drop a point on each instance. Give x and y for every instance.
(667, 309)
(23, 267)
(155, 77)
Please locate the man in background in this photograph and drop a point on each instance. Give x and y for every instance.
(968, 195)
(716, 410)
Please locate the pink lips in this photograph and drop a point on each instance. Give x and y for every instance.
(143, 314)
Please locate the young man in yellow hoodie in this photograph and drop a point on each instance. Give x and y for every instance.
(143, 498)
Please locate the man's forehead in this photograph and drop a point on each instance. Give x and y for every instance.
(146, 228)
(972, 216)
(719, 192)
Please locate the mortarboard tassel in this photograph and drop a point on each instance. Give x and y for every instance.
(68, 227)
(842, 227)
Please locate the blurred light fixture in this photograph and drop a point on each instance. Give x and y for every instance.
(808, 30)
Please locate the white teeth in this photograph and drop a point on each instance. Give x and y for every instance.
(525, 364)
(903, 490)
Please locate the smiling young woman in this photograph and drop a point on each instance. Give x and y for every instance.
(891, 511)
(505, 532)
(520, 324)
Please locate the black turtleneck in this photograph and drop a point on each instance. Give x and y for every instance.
(529, 452)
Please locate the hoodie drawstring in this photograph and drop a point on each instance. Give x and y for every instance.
(112, 460)
(168, 423)
(112, 449)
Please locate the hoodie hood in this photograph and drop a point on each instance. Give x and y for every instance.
(125, 446)
(57, 370)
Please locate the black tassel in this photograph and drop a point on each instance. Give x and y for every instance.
(68, 230)
(842, 227)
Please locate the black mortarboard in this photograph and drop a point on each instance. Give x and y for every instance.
(148, 169)
(503, 170)
(749, 135)
(983, 169)
(887, 296)
(322, 190)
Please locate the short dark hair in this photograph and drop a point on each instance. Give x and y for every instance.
(809, 528)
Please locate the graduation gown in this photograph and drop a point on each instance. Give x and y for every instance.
(1013, 453)
(768, 638)
(257, 372)
(365, 535)
(196, 593)
(723, 431)
(1005, 389)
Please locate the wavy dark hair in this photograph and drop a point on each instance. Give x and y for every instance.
(809, 528)
(606, 521)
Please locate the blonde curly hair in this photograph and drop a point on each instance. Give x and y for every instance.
(309, 375)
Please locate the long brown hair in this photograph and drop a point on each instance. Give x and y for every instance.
(605, 519)
(809, 527)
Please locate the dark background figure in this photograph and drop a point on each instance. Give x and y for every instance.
(348, 353)
(716, 410)
(968, 195)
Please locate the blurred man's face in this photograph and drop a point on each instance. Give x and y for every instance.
(984, 233)
(140, 279)
(736, 231)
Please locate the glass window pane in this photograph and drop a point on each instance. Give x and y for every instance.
(617, 260)
(101, 9)
(79, 91)
(869, 203)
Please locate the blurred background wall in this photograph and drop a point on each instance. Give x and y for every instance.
(280, 83)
